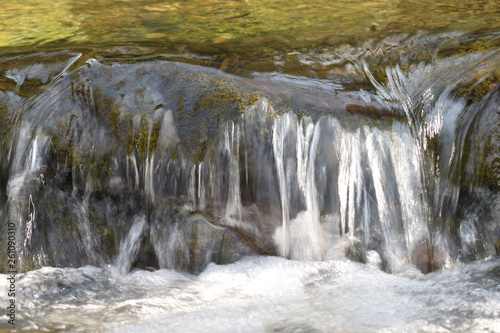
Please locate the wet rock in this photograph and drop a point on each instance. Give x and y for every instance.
(28, 74)
(450, 43)
(48, 226)
(114, 140)
(146, 258)
(207, 242)
(491, 124)
(354, 250)
(423, 257)
(371, 111)
(497, 244)
(374, 27)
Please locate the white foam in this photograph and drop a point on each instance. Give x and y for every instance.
(259, 294)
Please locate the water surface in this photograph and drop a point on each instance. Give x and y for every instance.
(263, 294)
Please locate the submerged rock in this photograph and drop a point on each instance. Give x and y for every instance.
(207, 243)
(423, 257)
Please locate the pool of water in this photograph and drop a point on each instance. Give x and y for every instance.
(262, 294)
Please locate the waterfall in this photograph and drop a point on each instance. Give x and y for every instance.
(129, 246)
(251, 177)
(354, 183)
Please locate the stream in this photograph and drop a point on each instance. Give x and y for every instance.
(209, 169)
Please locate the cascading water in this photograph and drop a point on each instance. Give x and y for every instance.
(118, 175)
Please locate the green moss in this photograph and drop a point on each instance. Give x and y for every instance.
(33, 82)
(146, 140)
(217, 98)
(380, 74)
(478, 87)
(476, 46)
(5, 122)
(479, 84)
(490, 173)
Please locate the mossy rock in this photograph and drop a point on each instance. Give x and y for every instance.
(5, 121)
(127, 106)
(55, 238)
(29, 74)
(108, 121)
(482, 147)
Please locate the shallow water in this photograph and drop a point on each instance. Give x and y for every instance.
(262, 294)
(197, 24)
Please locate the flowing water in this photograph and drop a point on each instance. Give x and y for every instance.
(259, 294)
(304, 181)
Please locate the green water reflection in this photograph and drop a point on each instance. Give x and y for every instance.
(243, 27)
